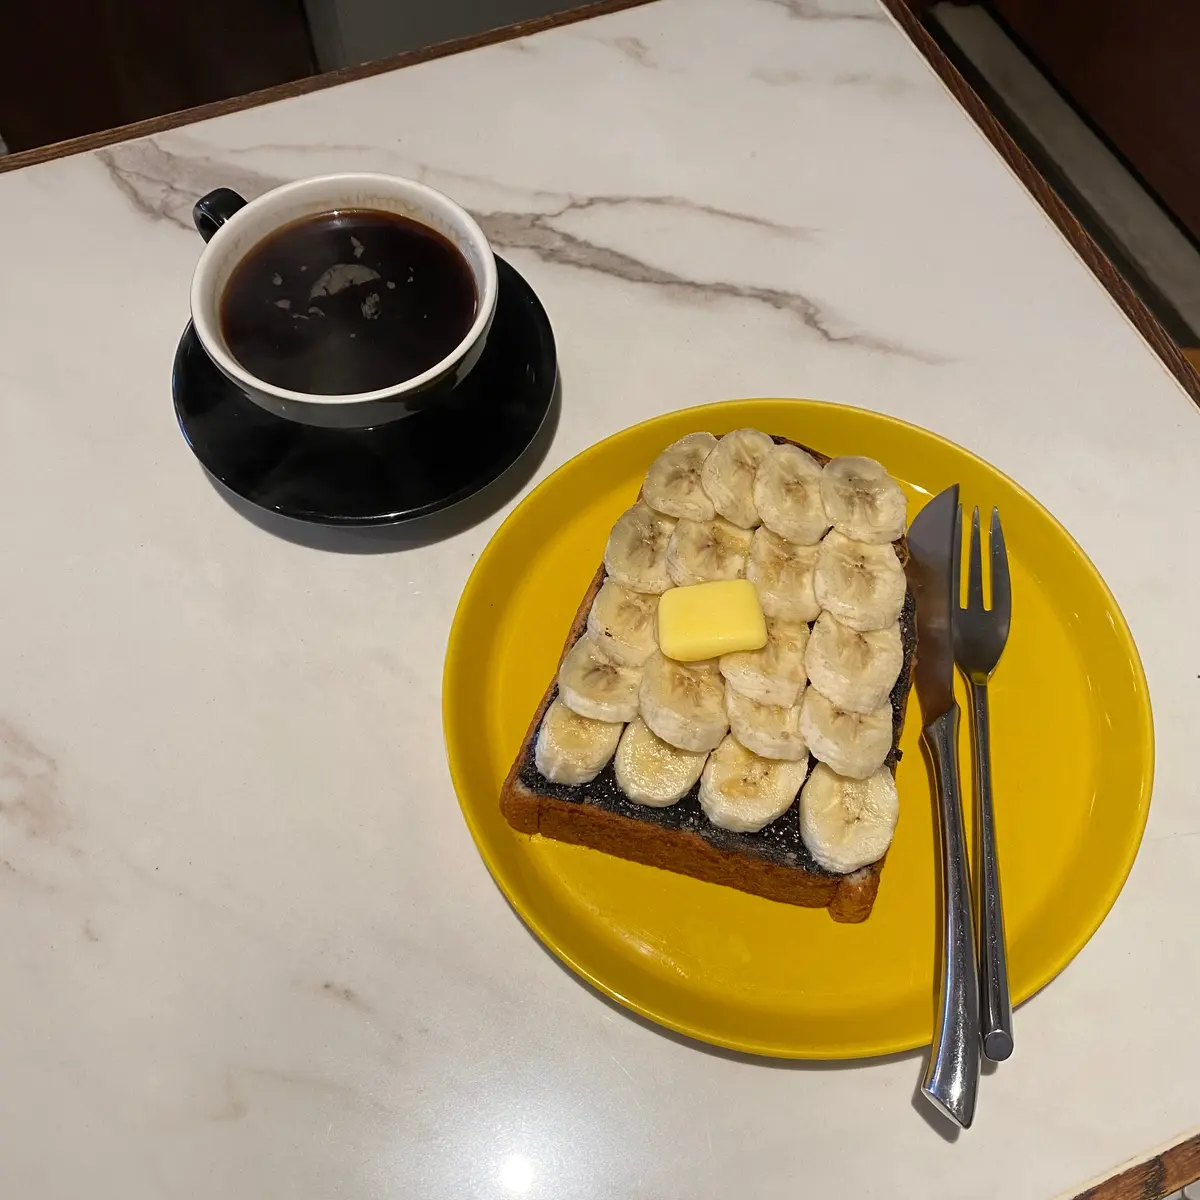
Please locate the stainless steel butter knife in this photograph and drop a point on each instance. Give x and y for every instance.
(952, 1077)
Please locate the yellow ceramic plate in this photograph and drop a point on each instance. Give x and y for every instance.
(1071, 735)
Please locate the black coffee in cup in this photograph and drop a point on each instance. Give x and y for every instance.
(348, 301)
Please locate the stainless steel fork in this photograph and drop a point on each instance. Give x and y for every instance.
(979, 637)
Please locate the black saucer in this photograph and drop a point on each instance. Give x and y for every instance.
(408, 468)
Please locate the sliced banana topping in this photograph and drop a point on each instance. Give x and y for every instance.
(705, 551)
(782, 573)
(767, 730)
(816, 544)
(857, 671)
(728, 474)
(848, 823)
(742, 792)
(593, 686)
(673, 482)
(684, 703)
(651, 771)
(573, 749)
(621, 623)
(853, 744)
(636, 554)
(863, 585)
(787, 495)
(774, 674)
(863, 501)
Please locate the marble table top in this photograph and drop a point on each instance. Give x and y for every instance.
(250, 949)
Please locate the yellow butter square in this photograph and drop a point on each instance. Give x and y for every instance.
(705, 620)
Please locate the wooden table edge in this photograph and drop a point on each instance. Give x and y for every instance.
(311, 83)
(1150, 1178)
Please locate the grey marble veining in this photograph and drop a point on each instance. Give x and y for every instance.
(163, 185)
(633, 48)
(818, 10)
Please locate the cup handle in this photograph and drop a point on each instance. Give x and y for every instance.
(210, 212)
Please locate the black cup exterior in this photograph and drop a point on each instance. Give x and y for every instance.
(369, 414)
(211, 211)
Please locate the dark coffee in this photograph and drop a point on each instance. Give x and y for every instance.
(347, 301)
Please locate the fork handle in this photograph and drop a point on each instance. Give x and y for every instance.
(995, 1002)
(952, 1077)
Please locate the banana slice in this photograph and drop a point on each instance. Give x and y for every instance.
(621, 623)
(863, 585)
(703, 551)
(636, 554)
(774, 674)
(573, 749)
(863, 501)
(768, 731)
(853, 744)
(787, 494)
(593, 686)
(742, 792)
(848, 823)
(673, 482)
(651, 771)
(782, 572)
(684, 703)
(856, 671)
(728, 474)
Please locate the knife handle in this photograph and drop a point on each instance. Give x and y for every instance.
(993, 959)
(952, 1077)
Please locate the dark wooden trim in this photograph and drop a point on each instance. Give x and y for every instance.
(1154, 1178)
(1095, 258)
(314, 83)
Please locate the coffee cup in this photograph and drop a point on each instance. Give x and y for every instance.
(416, 301)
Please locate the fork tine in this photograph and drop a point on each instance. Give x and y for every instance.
(975, 567)
(956, 559)
(1001, 588)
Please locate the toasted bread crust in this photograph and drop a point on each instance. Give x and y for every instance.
(581, 822)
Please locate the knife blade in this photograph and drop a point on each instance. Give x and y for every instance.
(932, 573)
(952, 1076)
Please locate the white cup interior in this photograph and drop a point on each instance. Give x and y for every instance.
(310, 197)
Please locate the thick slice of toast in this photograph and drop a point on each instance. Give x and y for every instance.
(774, 862)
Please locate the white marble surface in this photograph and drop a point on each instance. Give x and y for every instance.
(250, 950)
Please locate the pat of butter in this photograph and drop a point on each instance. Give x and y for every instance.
(708, 619)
